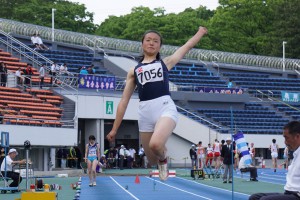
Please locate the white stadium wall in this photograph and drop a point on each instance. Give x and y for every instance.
(40, 136)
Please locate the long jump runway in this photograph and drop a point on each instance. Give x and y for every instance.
(127, 188)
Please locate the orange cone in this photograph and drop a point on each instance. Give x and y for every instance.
(137, 179)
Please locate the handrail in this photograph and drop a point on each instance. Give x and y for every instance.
(134, 46)
(202, 119)
(23, 53)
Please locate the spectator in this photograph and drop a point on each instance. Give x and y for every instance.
(41, 45)
(291, 134)
(7, 164)
(248, 168)
(63, 70)
(131, 158)
(274, 148)
(34, 41)
(84, 71)
(53, 73)
(61, 156)
(193, 156)
(90, 70)
(102, 164)
(42, 75)
(3, 72)
(78, 156)
(230, 85)
(227, 154)
(122, 156)
(141, 155)
(20, 79)
(28, 73)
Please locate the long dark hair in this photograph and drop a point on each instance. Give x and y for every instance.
(141, 58)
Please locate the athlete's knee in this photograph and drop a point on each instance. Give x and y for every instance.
(155, 147)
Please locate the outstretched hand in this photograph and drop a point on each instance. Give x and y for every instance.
(111, 136)
(203, 30)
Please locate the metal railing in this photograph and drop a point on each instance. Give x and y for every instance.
(15, 46)
(132, 46)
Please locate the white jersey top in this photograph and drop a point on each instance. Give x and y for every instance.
(274, 147)
(217, 147)
(209, 150)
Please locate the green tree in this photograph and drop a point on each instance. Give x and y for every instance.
(242, 26)
(68, 16)
(286, 28)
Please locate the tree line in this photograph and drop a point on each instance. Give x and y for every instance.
(242, 26)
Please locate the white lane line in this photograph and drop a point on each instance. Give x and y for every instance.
(124, 189)
(213, 187)
(180, 189)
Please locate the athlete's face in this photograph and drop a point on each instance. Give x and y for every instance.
(151, 44)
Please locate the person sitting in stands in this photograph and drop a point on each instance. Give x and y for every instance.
(34, 41)
(42, 46)
(83, 71)
(7, 165)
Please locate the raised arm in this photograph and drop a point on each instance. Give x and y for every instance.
(172, 60)
(128, 90)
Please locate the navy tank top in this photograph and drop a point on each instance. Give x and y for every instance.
(152, 80)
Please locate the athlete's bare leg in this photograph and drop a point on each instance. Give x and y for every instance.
(155, 143)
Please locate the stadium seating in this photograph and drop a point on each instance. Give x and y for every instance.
(254, 118)
(268, 85)
(30, 107)
(194, 76)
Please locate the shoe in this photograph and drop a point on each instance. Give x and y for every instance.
(91, 184)
(94, 183)
(229, 181)
(163, 170)
(253, 179)
(224, 181)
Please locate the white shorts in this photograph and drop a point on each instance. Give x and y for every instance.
(152, 110)
(274, 154)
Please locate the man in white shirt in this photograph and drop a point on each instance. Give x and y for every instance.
(7, 165)
(248, 168)
(131, 158)
(19, 76)
(122, 156)
(34, 41)
(291, 134)
(40, 43)
(42, 75)
(53, 72)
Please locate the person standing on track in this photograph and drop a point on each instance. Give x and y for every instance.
(274, 153)
(217, 153)
(92, 154)
(157, 111)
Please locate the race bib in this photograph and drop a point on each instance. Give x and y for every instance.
(150, 73)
